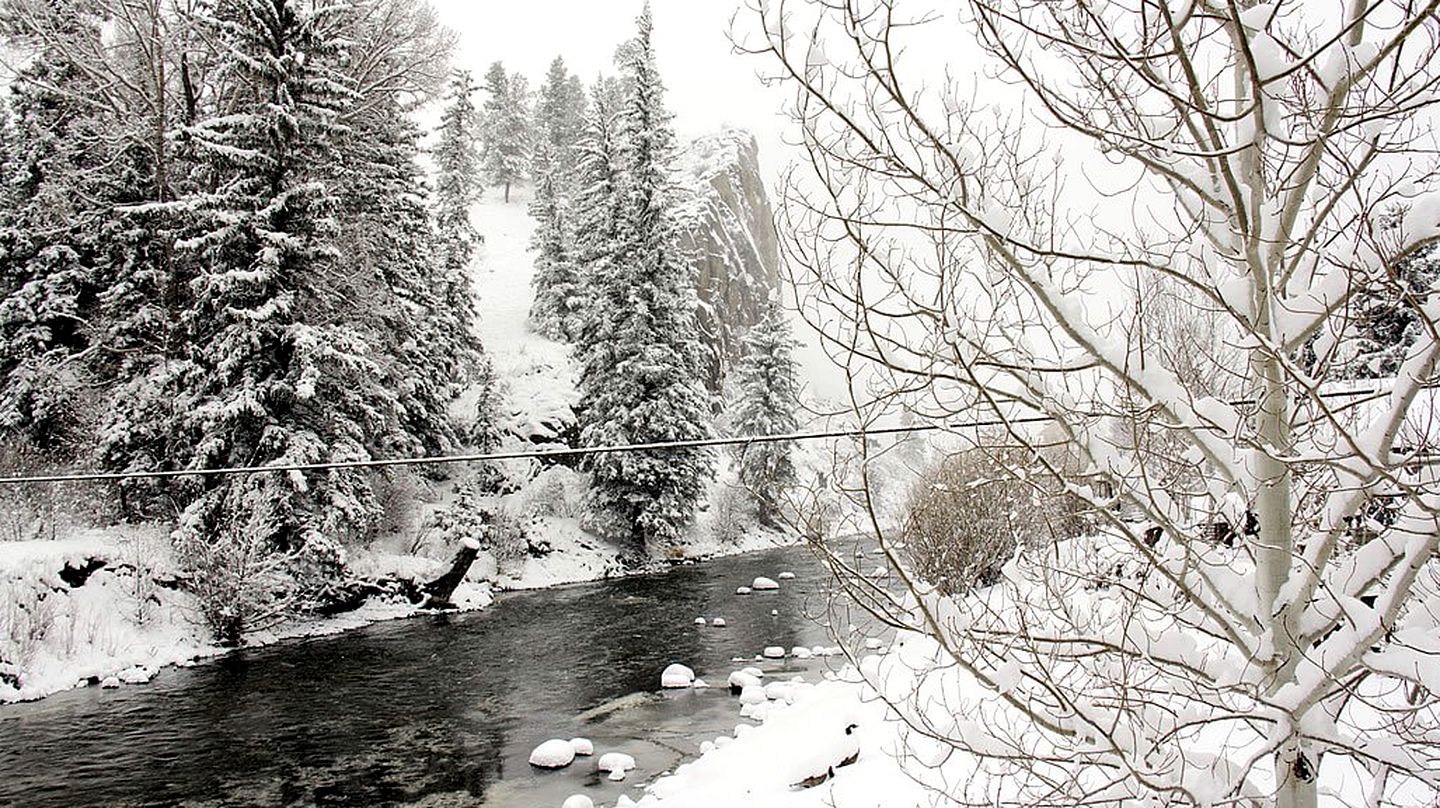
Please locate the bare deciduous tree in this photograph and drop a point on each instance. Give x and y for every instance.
(966, 246)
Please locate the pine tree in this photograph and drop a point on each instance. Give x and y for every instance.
(559, 122)
(506, 128)
(272, 373)
(595, 203)
(457, 169)
(557, 308)
(1384, 324)
(768, 394)
(53, 207)
(641, 366)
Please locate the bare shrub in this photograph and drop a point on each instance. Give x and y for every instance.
(731, 509)
(27, 618)
(967, 516)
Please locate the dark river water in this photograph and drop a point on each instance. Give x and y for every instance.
(430, 711)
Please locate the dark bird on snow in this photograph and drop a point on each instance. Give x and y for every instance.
(815, 780)
(850, 730)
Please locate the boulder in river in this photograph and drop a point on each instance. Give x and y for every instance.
(553, 754)
(677, 675)
(762, 583)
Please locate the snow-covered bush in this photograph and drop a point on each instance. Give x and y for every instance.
(556, 491)
(967, 516)
(731, 509)
(27, 617)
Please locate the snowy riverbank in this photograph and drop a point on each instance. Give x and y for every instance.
(104, 606)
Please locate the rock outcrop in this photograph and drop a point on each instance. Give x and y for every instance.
(730, 226)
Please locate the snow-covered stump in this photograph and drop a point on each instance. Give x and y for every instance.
(440, 591)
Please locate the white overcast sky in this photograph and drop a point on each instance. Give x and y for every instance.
(707, 85)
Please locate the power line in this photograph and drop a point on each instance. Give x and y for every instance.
(112, 476)
(540, 454)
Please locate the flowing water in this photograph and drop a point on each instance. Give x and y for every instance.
(430, 711)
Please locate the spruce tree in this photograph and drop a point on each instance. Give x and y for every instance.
(273, 374)
(766, 401)
(54, 204)
(506, 128)
(641, 377)
(557, 308)
(458, 185)
(595, 203)
(559, 122)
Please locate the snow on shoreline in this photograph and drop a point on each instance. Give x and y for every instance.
(83, 635)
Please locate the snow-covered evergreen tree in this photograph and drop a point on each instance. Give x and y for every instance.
(273, 373)
(506, 129)
(52, 211)
(559, 301)
(767, 395)
(595, 201)
(1384, 322)
(641, 356)
(457, 172)
(559, 122)
(457, 188)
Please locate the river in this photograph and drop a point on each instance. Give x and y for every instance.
(430, 711)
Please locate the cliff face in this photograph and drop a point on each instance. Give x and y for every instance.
(730, 226)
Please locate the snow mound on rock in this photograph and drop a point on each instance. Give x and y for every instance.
(677, 675)
(616, 763)
(753, 694)
(582, 746)
(774, 652)
(718, 622)
(578, 801)
(786, 576)
(763, 583)
(553, 754)
(742, 590)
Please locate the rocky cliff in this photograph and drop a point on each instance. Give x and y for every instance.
(731, 228)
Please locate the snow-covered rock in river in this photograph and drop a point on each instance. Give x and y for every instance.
(742, 590)
(700, 683)
(553, 754)
(739, 680)
(110, 682)
(756, 672)
(582, 746)
(763, 583)
(699, 621)
(800, 652)
(616, 763)
(786, 576)
(774, 652)
(753, 694)
(677, 675)
(718, 622)
(578, 801)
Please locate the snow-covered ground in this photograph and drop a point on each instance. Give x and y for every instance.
(127, 619)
